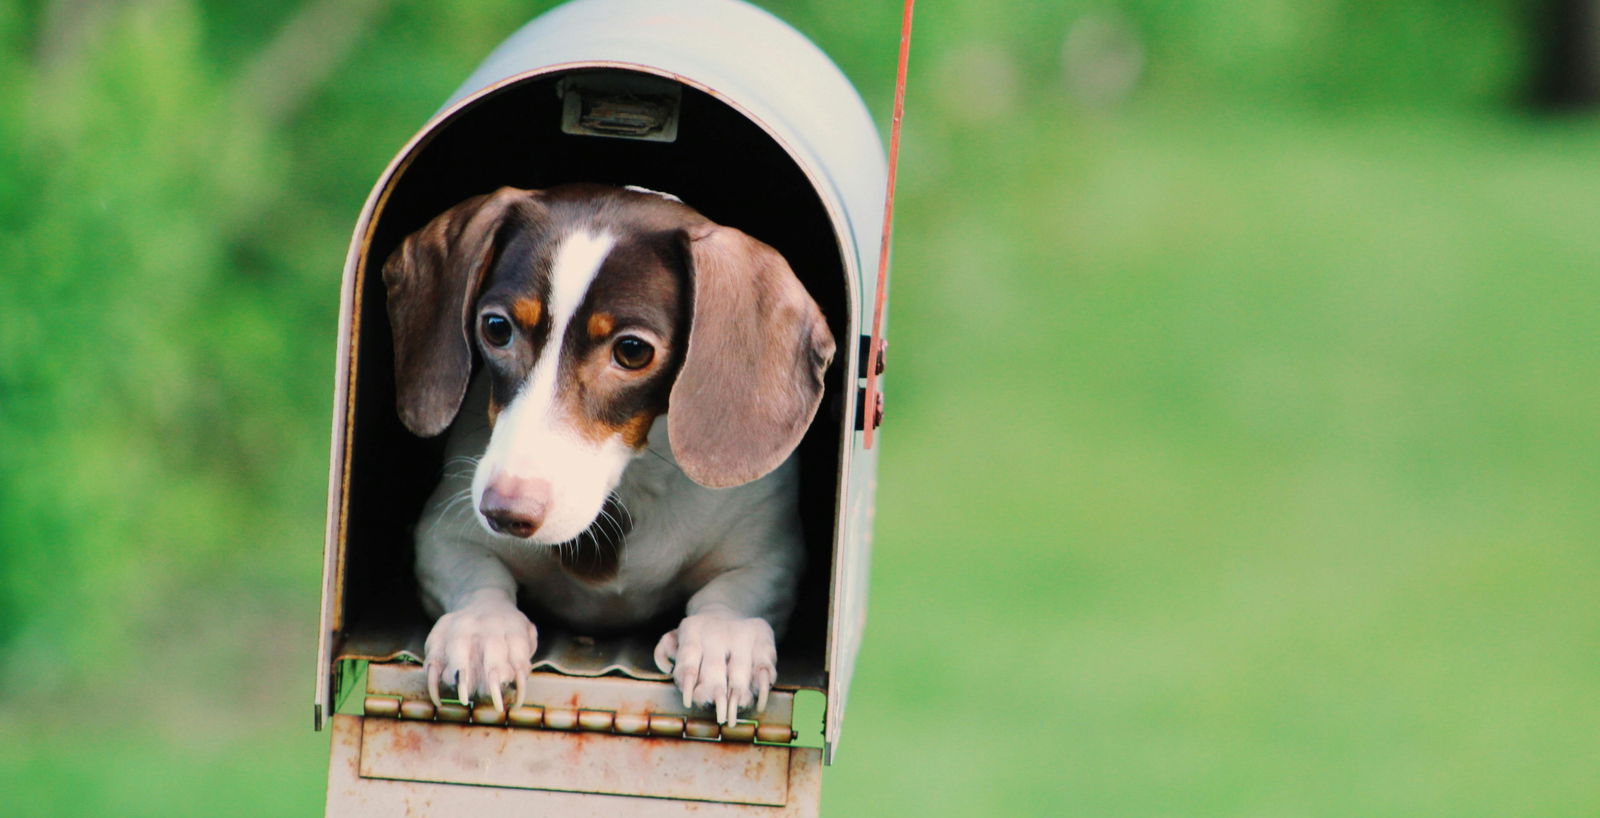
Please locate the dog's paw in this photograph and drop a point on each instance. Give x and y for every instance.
(481, 648)
(721, 660)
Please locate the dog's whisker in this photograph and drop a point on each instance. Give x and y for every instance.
(622, 507)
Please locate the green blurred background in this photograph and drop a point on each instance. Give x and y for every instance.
(1241, 455)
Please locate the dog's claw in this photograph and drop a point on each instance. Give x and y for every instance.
(726, 662)
(666, 651)
(763, 684)
(435, 670)
(482, 647)
(688, 688)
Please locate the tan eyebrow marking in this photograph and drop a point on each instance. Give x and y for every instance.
(528, 311)
(601, 324)
(636, 430)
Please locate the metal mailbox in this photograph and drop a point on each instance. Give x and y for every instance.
(723, 105)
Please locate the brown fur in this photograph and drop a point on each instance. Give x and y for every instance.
(432, 280)
(743, 399)
(637, 430)
(740, 346)
(527, 311)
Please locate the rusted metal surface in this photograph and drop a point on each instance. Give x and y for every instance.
(349, 794)
(775, 733)
(671, 726)
(562, 696)
(632, 724)
(526, 716)
(701, 728)
(561, 718)
(413, 709)
(560, 651)
(575, 762)
(381, 706)
(598, 721)
(568, 719)
(743, 731)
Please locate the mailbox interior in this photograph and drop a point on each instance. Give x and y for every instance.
(724, 165)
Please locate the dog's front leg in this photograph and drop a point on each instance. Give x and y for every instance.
(481, 640)
(724, 653)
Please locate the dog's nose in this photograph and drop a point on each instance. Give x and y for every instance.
(515, 505)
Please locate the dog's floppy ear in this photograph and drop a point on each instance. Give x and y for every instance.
(751, 377)
(433, 280)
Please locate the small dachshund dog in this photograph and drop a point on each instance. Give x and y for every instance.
(645, 378)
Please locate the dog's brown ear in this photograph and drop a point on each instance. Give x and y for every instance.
(433, 280)
(751, 377)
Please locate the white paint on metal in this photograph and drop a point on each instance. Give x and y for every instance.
(774, 76)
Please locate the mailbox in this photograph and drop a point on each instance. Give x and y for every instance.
(723, 105)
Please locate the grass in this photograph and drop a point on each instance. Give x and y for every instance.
(1257, 488)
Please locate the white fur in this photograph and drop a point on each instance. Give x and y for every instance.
(531, 439)
(637, 189)
(733, 554)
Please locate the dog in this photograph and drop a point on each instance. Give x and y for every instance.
(644, 377)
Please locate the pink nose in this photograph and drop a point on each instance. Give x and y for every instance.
(515, 505)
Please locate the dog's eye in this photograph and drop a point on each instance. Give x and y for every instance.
(496, 330)
(631, 352)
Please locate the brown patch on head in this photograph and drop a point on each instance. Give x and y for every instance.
(638, 291)
(527, 311)
(494, 409)
(636, 431)
(433, 280)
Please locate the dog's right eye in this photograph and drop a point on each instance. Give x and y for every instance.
(496, 330)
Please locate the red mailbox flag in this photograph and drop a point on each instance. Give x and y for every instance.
(870, 413)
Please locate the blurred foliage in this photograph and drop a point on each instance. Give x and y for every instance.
(1243, 429)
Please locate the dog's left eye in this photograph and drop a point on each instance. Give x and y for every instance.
(497, 330)
(632, 352)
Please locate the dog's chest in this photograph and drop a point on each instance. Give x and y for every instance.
(670, 524)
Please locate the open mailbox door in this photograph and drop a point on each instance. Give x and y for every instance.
(726, 107)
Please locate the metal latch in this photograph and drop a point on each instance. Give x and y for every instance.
(865, 360)
(620, 106)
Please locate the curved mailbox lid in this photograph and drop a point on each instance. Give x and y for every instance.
(745, 57)
(778, 79)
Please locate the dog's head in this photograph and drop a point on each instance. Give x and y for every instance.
(593, 311)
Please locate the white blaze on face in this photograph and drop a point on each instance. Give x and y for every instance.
(531, 439)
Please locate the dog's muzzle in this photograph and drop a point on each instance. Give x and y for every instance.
(515, 505)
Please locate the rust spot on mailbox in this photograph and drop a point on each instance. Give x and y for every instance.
(401, 750)
(414, 709)
(561, 718)
(596, 720)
